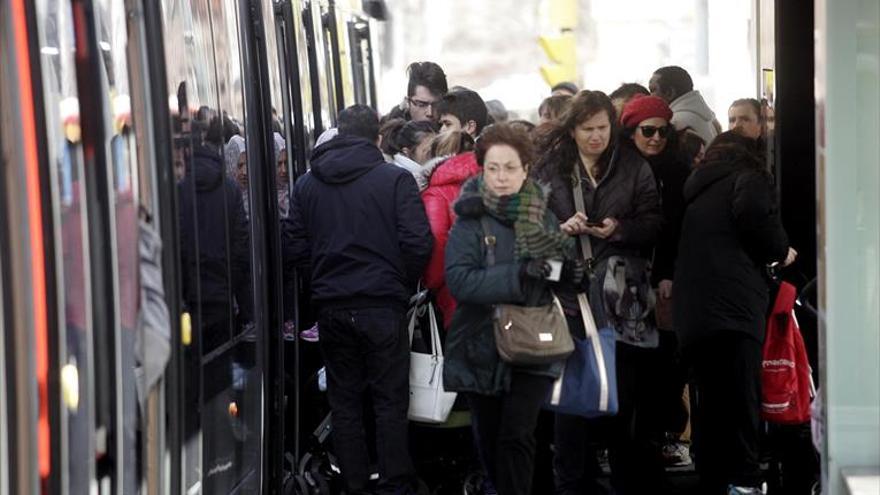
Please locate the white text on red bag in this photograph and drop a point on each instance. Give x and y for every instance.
(786, 377)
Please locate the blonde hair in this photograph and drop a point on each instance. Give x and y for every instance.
(451, 143)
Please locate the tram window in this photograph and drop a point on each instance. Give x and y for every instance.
(302, 59)
(283, 149)
(112, 43)
(221, 378)
(345, 55)
(321, 84)
(74, 337)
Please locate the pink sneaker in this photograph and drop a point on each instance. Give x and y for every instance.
(310, 335)
(289, 331)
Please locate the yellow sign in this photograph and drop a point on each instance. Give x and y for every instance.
(561, 50)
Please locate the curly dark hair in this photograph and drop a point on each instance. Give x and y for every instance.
(562, 151)
(515, 137)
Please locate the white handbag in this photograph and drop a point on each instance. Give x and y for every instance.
(428, 401)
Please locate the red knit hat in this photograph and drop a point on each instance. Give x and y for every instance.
(643, 107)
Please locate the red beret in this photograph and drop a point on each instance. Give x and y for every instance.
(642, 108)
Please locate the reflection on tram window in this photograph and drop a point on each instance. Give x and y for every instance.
(63, 137)
(236, 167)
(213, 222)
(123, 167)
(282, 176)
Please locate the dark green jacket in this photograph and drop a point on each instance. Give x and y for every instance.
(472, 363)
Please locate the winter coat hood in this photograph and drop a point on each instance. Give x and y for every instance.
(691, 111)
(208, 168)
(456, 170)
(344, 159)
(704, 177)
(693, 102)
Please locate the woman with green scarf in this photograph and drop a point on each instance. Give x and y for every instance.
(505, 400)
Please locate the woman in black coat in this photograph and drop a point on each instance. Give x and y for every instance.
(647, 128)
(505, 209)
(622, 220)
(731, 231)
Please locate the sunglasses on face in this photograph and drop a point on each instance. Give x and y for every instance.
(649, 130)
(422, 103)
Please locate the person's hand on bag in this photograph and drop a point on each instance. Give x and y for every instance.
(537, 269)
(572, 272)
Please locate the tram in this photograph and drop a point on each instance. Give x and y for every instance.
(138, 353)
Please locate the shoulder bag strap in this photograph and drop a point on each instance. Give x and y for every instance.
(578, 193)
(489, 240)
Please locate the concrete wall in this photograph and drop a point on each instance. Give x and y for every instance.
(848, 179)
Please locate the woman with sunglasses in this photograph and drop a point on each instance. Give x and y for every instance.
(622, 219)
(648, 130)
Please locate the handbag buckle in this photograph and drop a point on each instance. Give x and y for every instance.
(489, 240)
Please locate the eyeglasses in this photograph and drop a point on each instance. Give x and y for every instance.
(648, 131)
(422, 103)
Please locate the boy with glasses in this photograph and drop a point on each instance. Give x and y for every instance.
(427, 84)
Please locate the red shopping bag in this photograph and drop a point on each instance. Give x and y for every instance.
(786, 377)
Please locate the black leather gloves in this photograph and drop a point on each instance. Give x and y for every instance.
(537, 269)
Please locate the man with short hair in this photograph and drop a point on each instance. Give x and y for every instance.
(462, 111)
(427, 84)
(621, 96)
(689, 109)
(359, 224)
(564, 88)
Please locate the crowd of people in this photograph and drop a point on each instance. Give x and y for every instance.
(637, 199)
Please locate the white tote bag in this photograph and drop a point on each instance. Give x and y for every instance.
(428, 401)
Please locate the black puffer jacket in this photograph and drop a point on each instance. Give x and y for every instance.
(731, 230)
(360, 224)
(627, 192)
(212, 220)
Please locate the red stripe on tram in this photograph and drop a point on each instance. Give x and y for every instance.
(38, 270)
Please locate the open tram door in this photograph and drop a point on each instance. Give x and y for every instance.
(317, 74)
(785, 87)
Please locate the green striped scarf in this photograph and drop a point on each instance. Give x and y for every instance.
(525, 210)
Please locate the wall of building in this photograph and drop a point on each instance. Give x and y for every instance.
(492, 47)
(848, 178)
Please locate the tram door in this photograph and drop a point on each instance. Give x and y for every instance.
(222, 376)
(68, 202)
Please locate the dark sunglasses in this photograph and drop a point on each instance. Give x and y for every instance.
(649, 130)
(421, 103)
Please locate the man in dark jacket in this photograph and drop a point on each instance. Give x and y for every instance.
(359, 223)
(214, 245)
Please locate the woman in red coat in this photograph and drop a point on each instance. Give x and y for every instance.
(439, 197)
